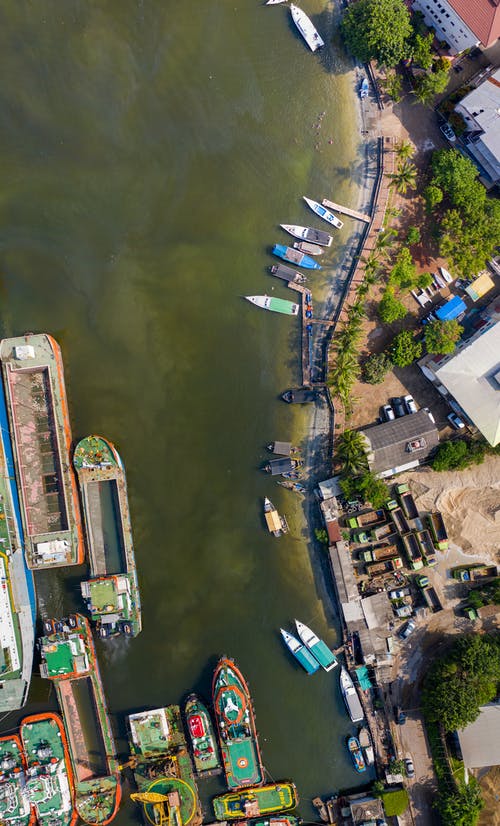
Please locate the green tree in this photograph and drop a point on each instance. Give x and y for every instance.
(421, 46)
(429, 85)
(451, 455)
(390, 309)
(351, 449)
(424, 280)
(385, 240)
(392, 84)
(404, 273)
(376, 368)
(373, 490)
(377, 30)
(321, 535)
(461, 807)
(433, 195)
(413, 236)
(404, 178)
(405, 150)
(441, 336)
(405, 349)
(469, 238)
(456, 176)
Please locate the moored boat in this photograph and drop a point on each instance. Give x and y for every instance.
(364, 88)
(297, 487)
(35, 393)
(300, 652)
(324, 213)
(295, 257)
(365, 741)
(276, 524)
(69, 661)
(235, 719)
(320, 807)
(317, 236)
(306, 28)
(15, 806)
(309, 249)
(49, 785)
(299, 395)
(316, 646)
(356, 754)
(259, 800)
(287, 274)
(202, 736)
(275, 305)
(112, 593)
(351, 696)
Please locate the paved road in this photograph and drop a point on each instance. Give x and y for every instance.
(412, 742)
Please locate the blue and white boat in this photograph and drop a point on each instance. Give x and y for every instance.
(295, 257)
(356, 754)
(324, 213)
(317, 647)
(364, 89)
(300, 652)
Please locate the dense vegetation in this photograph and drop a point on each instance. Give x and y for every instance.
(487, 594)
(468, 221)
(442, 336)
(377, 30)
(459, 454)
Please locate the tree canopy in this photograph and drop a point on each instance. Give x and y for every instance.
(376, 368)
(441, 336)
(462, 680)
(351, 449)
(390, 309)
(377, 30)
(405, 349)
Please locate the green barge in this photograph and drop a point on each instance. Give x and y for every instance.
(112, 592)
(69, 660)
(257, 801)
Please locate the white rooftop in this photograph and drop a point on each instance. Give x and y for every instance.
(470, 377)
(483, 106)
(480, 741)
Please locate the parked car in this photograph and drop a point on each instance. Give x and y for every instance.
(455, 421)
(398, 406)
(410, 405)
(410, 768)
(431, 417)
(388, 413)
(399, 593)
(423, 581)
(407, 630)
(448, 132)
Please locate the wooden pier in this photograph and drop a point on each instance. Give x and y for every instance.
(352, 213)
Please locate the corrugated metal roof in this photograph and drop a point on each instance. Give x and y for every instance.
(480, 741)
(453, 308)
(389, 441)
(481, 16)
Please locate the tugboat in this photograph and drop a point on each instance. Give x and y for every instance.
(356, 754)
(276, 524)
(15, 806)
(238, 739)
(248, 803)
(201, 734)
(50, 786)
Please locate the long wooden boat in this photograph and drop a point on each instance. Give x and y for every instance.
(356, 754)
(235, 719)
(295, 257)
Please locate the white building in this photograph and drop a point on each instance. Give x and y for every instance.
(480, 110)
(463, 24)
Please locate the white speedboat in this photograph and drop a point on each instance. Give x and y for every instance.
(274, 2)
(276, 305)
(316, 646)
(324, 213)
(316, 236)
(351, 696)
(306, 28)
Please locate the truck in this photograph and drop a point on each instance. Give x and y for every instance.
(429, 594)
(427, 547)
(435, 522)
(399, 520)
(370, 518)
(408, 505)
(384, 552)
(381, 532)
(413, 552)
(375, 568)
(473, 573)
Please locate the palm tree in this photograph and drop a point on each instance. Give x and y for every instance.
(385, 239)
(404, 178)
(405, 150)
(393, 212)
(351, 449)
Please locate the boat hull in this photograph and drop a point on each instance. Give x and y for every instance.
(315, 236)
(324, 213)
(234, 715)
(295, 257)
(351, 697)
(357, 758)
(15, 807)
(306, 28)
(302, 654)
(316, 646)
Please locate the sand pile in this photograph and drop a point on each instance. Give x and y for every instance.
(469, 501)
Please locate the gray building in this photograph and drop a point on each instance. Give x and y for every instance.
(480, 740)
(400, 445)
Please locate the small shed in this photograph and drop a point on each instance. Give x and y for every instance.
(480, 286)
(281, 448)
(273, 521)
(452, 309)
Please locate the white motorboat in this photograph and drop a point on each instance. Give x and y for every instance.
(276, 305)
(316, 236)
(306, 28)
(324, 213)
(351, 696)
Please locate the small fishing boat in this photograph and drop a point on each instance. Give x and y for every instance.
(321, 808)
(295, 257)
(364, 89)
(291, 474)
(287, 274)
(276, 524)
(282, 448)
(274, 2)
(202, 737)
(317, 236)
(446, 275)
(306, 28)
(309, 249)
(299, 395)
(356, 754)
(289, 485)
(316, 646)
(300, 652)
(275, 305)
(324, 213)
(365, 741)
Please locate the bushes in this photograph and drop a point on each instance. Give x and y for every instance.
(442, 336)
(459, 454)
(390, 309)
(376, 368)
(405, 349)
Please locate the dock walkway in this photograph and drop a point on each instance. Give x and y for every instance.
(352, 213)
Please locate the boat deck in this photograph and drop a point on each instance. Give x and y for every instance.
(241, 763)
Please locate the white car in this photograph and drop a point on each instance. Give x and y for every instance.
(388, 413)
(448, 132)
(409, 403)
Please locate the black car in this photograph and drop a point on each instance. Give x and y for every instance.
(398, 406)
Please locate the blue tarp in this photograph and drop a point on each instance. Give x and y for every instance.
(453, 308)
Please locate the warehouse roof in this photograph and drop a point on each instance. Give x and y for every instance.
(480, 740)
(402, 443)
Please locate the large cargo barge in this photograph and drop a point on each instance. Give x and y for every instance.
(49, 786)
(39, 423)
(161, 762)
(15, 807)
(17, 596)
(69, 660)
(238, 739)
(112, 592)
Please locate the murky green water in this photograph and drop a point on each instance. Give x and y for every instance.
(148, 152)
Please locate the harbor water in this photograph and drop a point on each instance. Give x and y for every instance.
(149, 152)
